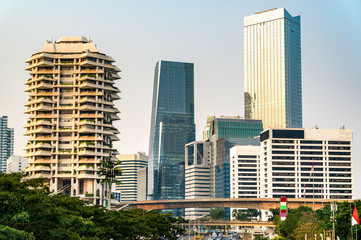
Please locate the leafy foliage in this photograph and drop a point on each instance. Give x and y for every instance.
(303, 220)
(27, 212)
(110, 170)
(217, 213)
(245, 214)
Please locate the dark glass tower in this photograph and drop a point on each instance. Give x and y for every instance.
(172, 127)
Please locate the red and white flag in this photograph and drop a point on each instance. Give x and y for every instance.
(355, 219)
(309, 179)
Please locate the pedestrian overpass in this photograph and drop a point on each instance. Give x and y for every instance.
(252, 203)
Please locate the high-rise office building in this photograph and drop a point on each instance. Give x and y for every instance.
(71, 109)
(224, 133)
(130, 164)
(172, 127)
(6, 142)
(16, 164)
(197, 176)
(272, 69)
(308, 163)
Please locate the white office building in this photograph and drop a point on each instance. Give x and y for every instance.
(245, 171)
(16, 164)
(310, 163)
(197, 176)
(130, 164)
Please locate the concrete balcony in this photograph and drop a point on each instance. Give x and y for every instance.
(88, 107)
(86, 144)
(38, 145)
(115, 96)
(41, 167)
(87, 174)
(87, 122)
(108, 109)
(44, 115)
(114, 117)
(51, 93)
(41, 138)
(87, 153)
(88, 85)
(107, 132)
(38, 153)
(87, 99)
(115, 76)
(44, 63)
(43, 122)
(86, 167)
(38, 130)
(90, 93)
(88, 62)
(88, 138)
(114, 138)
(88, 129)
(108, 103)
(39, 175)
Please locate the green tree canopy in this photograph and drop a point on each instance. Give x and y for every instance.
(28, 212)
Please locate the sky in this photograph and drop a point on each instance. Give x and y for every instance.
(208, 33)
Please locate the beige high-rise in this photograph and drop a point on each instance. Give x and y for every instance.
(71, 109)
(272, 69)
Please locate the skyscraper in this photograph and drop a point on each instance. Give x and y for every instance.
(272, 69)
(6, 142)
(172, 127)
(71, 109)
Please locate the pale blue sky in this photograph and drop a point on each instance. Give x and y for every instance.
(208, 33)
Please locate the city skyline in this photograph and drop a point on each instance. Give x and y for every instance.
(329, 58)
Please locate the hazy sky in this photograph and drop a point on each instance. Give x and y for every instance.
(208, 33)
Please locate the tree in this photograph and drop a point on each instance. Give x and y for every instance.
(245, 214)
(217, 213)
(110, 170)
(27, 212)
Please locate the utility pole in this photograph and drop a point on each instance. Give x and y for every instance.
(333, 209)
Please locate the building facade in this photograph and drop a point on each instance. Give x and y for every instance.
(272, 69)
(197, 176)
(224, 133)
(245, 171)
(172, 126)
(142, 184)
(16, 164)
(310, 163)
(71, 114)
(130, 164)
(6, 142)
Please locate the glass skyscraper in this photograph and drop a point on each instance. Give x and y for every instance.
(272, 69)
(172, 127)
(6, 142)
